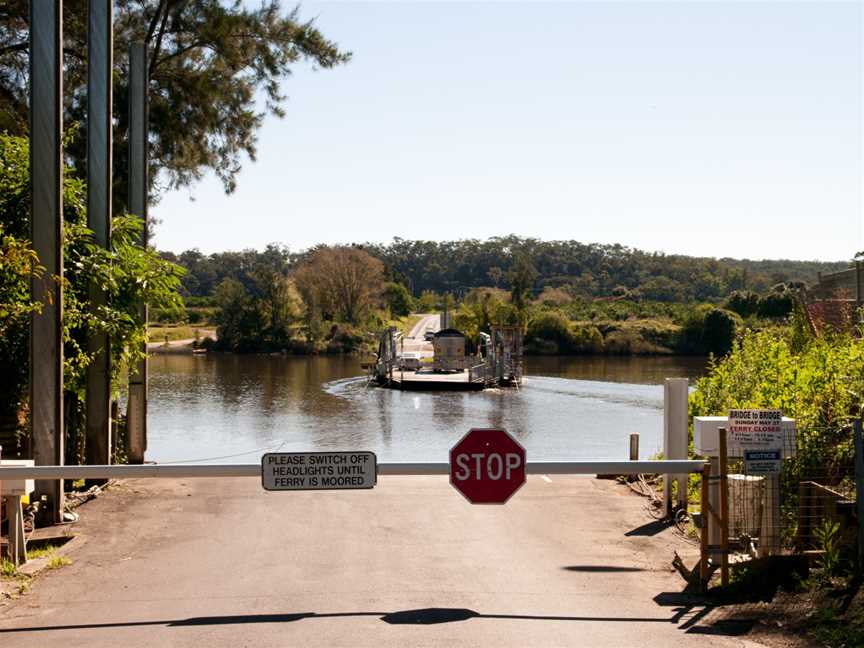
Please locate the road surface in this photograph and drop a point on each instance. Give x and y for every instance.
(415, 342)
(569, 561)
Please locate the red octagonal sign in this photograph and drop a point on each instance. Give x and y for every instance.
(487, 466)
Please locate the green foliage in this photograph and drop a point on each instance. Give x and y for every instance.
(777, 304)
(819, 383)
(828, 538)
(398, 299)
(216, 71)
(521, 276)
(429, 302)
(127, 273)
(263, 319)
(743, 302)
(551, 333)
(719, 329)
(588, 270)
(7, 568)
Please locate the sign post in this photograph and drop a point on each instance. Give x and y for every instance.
(487, 466)
(318, 470)
(758, 436)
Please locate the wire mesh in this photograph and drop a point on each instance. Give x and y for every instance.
(811, 496)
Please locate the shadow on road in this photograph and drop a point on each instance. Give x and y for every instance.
(422, 616)
(650, 528)
(601, 569)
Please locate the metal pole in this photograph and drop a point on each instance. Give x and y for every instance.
(46, 179)
(705, 517)
(724, 511)
(17, 539)
(100, 60)
(859, 488)
(121, 471)
(136, 427)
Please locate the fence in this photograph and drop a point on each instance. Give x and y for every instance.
(812, 506)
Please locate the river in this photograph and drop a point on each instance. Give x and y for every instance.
(233, 408)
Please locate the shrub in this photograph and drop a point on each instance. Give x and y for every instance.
(551, 333)
(776, 305)
(743, 302)
(719, 330)
(397, 297)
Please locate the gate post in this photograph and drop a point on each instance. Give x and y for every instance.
(100, 60)
(46, 223)
(675, 438)
(136, 414)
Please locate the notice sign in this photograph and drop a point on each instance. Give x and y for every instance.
(762, 462)
(756, 429)
(318, 470)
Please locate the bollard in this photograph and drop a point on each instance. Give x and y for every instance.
(634, 446)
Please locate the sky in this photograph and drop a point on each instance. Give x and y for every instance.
(705, 128)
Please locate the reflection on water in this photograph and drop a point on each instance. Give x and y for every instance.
(231, 408)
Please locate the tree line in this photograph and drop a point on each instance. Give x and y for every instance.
(582, 269)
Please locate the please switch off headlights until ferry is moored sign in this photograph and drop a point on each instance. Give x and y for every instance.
(318, 470)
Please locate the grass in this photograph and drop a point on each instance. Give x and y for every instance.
(8, 569)
(59, 561)
(41, 552)
(183, 332)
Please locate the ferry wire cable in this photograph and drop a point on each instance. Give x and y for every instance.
(275, 448)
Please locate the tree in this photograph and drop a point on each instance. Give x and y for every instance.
(344, 282)
(743, 302)
(398, 299)
(522, 276)
(128, 273)
(216, 70)
(719, 330)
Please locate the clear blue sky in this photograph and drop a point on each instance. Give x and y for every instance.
(718, 129)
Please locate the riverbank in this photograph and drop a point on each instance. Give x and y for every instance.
(568, 561)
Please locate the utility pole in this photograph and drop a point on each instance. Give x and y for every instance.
(136, 415)
(46, 180)
(100, 58)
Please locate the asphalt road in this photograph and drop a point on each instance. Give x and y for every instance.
(415, 341)
(569, 561)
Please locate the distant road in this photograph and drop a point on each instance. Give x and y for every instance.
(415, 342)
(427, 321)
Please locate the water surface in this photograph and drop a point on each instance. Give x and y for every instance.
(232, 408)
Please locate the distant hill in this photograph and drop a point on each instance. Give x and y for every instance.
(589, 269)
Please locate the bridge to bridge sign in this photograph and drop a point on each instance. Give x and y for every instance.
(487, 466)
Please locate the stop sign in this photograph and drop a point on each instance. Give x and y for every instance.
(487, 466)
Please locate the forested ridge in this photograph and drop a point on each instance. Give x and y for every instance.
(585, 269)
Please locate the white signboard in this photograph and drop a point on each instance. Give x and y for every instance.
(318, 470)
(755, 429)
(763, 462)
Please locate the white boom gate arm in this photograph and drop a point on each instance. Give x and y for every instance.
(168, 471)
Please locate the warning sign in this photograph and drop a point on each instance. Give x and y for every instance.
(763, 462)
(757, 429)
(318, 470)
